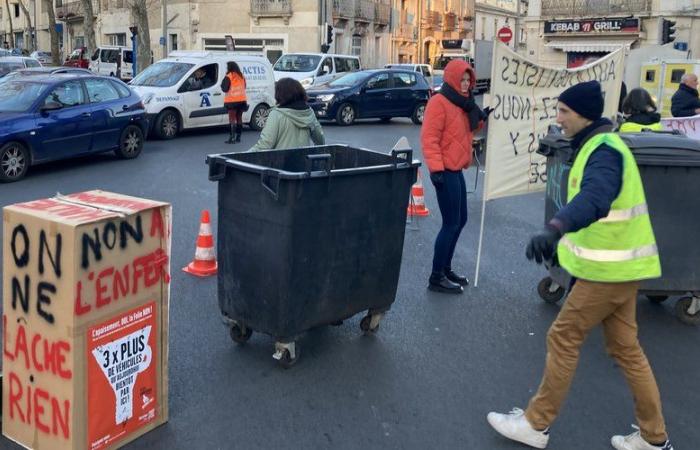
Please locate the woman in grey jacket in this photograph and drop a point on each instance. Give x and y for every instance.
(292, 123)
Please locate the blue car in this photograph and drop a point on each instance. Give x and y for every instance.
(368, 94)
(49, 117)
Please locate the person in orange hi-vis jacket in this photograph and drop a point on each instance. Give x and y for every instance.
(235, 102)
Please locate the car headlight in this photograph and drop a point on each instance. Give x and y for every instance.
(326, 98)
(306, 82)
(147, 99)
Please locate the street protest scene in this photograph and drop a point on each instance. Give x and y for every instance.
(363, 224)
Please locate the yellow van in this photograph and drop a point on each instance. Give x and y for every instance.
(661, 80)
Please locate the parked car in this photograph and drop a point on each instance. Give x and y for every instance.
(56, 116)
(5, 52)
(425, 69)
(42, 57)
(78, 58)
(173, 104)
(312, 69)
(437, 83)
(48, 70)
(383, 93)
(104, 61)
(11, 63)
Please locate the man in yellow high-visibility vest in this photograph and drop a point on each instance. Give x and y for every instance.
(604, 239)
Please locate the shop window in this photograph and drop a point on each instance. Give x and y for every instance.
(650, 76)
(676, 75)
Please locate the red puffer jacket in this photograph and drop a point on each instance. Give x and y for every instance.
(446, 136)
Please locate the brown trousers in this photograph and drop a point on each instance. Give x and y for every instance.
(615, 306)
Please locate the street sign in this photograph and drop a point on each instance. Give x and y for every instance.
(505, 34)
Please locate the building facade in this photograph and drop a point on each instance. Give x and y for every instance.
(567, 33)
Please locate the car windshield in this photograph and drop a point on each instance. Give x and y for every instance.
(162, 74)
(18, 96)
(350, 79)
(297, 63)
(8, 66)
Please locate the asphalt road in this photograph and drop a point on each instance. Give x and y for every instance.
(430, 375)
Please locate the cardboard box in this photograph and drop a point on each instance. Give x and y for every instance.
(86, 282)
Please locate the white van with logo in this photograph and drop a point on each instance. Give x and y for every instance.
(173, 102)
(104, 61)
(312, 69)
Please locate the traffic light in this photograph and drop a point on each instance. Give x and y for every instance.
(329, 34)
(668, 30)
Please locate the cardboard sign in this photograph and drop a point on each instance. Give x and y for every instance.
(690, 126)
(524, 100)
(122, 381)
(73, 265)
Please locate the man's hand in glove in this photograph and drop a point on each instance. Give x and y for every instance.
(436, 178)
(488, 110)
(543, 244)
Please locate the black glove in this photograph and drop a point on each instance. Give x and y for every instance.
(436, 178)
(543, 244)
(488, 110)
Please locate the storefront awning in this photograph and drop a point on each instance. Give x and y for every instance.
(589, 46)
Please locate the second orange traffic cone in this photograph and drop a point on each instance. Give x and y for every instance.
(204, 263)
(416, 204)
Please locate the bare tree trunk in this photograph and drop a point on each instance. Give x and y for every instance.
(28, 16)
(9, 17)
(89, 26)
(139, 10)
(48, 6)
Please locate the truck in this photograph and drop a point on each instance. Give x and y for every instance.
(478, 53)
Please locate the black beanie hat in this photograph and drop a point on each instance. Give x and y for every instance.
(584, 98)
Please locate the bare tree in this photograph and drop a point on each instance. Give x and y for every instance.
(28, 17)
(139, 11)
(48, 6)
(9, 17)
(89, 26)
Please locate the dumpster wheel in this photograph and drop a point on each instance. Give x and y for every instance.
(688, 310)
(286, 354)
(370, 323)
(240, 334)
(549, 291)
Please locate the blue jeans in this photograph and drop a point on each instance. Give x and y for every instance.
(452, 200)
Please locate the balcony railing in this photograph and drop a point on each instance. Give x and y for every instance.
(344, 9)
(270, 8)
(431, 20)
(364, 10)
(74, 9)
(382, 13)
(406, 32)
(577, 8)
(450, 22)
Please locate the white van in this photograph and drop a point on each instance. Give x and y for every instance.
(315, 68)
(104, 61)
(425, 69)
(172, 105)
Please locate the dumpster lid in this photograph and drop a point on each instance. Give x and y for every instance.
(663, 148)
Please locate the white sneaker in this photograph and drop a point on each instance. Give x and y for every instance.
(635, 441)
(515, 426)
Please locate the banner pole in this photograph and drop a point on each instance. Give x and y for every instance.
(481, 238)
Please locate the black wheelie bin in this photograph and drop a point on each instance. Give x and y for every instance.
(309, 237)
(669, 164)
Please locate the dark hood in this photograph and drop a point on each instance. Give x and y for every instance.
(646, 118)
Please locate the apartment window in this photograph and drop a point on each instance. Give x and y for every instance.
(173, 42)
(79, 41)
(357, 46)
(118, 39)
(16, 6)
(483, 28)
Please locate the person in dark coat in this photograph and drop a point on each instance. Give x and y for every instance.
(686, 102)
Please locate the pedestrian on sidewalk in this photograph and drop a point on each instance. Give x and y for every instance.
(640, 112)
(451, 118)
(292, 123)
(235, 101)
(608, 259)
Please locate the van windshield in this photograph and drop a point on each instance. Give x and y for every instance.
(162, 74)
(297, 63)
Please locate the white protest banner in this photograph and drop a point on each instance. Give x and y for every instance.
(690, 126)
(524, 98)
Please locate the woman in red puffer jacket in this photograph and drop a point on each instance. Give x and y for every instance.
(450, 119)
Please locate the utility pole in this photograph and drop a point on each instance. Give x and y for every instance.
(164, 40)
(34, 36)
(516, 40)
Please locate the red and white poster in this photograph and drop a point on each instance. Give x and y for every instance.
(122, 376)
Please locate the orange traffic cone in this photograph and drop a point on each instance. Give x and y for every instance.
(204, 263)
(416, 205)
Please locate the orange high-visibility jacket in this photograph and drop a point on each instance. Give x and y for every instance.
(236, 91)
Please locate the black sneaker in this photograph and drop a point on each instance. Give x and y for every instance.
(442, 284)
(459, 279)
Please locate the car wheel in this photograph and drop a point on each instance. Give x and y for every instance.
(130, 142)
(345, 115)
(14, 162)
(258, 118)
(418, 114)
(167, 124)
